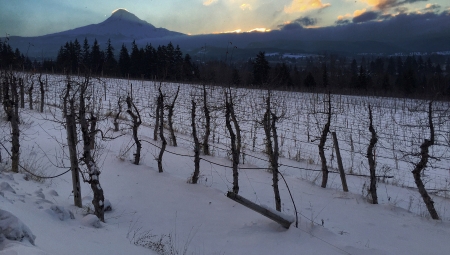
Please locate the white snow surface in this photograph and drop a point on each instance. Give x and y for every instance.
(200, 217)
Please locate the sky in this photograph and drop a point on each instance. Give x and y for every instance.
(34, 18)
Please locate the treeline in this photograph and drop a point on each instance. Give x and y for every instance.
(165, 62)
(12, 59)
(410, 76)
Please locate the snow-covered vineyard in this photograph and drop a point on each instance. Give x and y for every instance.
(401, 125)
(148, 206)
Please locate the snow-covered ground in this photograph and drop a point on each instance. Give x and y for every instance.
(151, 208)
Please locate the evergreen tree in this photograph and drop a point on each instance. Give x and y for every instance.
(188, 68)
(399, 65)
(75, 56)
(124, 61)
(362, 78)
(162, 62)
(309, 81)
(178, 63)
(260, 69)
(97, 58)
(391, 66)
(86, 56)
(149, 61)
(386, 85)
(110, 62)
(236, 78)
(324, 75)
(135, 61)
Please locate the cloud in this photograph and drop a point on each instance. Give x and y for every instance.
(246, 7)
(306, 21)
(298, 23)
(209, 2)
(388, 4)
(290, 26)
(359, 12)
(346, 16)
(432, 7)
(340, 22)
(366, 16)
(305, 5)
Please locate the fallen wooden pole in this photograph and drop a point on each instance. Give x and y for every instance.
(257, 208)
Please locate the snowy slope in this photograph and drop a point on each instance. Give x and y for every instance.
(200, 219)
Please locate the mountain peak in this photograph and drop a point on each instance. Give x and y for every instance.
(121, 23)
(124, 14)
(121, 15)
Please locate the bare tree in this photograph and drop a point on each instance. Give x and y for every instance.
(422, 164)
(157, 111)
(42, 90)
(323, 139)
(270, 131)
(196, 173)
(207, 115)
(371, 158)
(87, 158)
(170, 108)
(161, 129)
(235, 137)
(30, 93)
(137, 121)
(22, 93)
(14, 121)
(119, 111)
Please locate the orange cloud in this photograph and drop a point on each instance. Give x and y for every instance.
(208, 2)
(304, 5)
(358, 12)
(245, 7)
(346, 16)
(373, 2)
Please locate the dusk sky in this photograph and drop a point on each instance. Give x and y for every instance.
(33, 18)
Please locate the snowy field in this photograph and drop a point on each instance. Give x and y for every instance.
(163, 209)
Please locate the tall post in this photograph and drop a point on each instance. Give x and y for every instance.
(71, 139)
(339, 160)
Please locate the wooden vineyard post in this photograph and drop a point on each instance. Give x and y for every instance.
(257, 208)
(339, 160)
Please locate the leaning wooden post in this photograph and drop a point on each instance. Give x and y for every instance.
(257, 208)
(339, 160)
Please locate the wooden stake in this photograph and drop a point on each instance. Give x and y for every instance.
(339, 160)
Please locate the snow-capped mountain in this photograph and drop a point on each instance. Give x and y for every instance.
(121, 23)
(122, 27)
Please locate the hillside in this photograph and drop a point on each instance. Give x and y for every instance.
(151, 208)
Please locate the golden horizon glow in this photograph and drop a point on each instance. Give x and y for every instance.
(238, 31)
